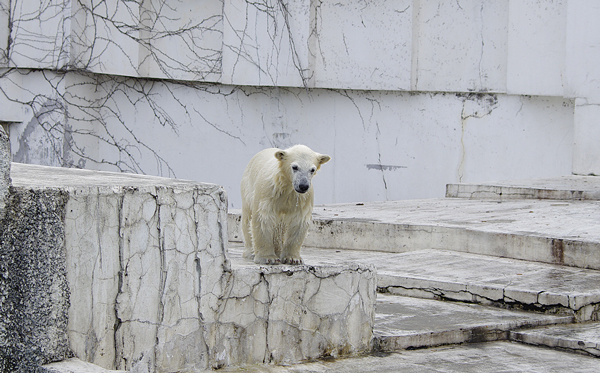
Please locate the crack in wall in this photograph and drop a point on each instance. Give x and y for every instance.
(118, 322)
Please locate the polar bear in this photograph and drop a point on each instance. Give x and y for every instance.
(277, 203)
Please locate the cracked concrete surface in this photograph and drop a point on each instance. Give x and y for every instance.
(4, 169)
(405, 322)
(583, 338)
(284, 314)
(573, 187)
(456, 276)
(152, 290)
(547, 231)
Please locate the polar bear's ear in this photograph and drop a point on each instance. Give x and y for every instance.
(280, 154)
(323, 158)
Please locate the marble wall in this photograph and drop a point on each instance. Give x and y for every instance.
(429, 92)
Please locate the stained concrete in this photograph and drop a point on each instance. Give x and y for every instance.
(583, 338)
(34, 176)
(548, 231)
(451, 275)
(5, 158)
(491, 357)
(75, 365)
(406, 322)
(573, 187)
(34, 291)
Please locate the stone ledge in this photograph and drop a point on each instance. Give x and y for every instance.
(291, 314)
(143, 260)
(404, 322)
(4, 169)
(584, 338)
(75, 365)
(557, 232)
(574, 187)
(144, 284)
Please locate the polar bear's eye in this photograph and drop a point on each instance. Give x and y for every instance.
(312, 170)
(295, 167)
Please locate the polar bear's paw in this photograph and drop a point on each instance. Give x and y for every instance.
(267, 260)
(291, 260)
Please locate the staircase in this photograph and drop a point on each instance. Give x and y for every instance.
(498, 263)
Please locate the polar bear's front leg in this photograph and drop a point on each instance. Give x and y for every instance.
(293, 243)
(263, 241)
(248, 250)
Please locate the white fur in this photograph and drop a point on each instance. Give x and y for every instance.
(275, 212)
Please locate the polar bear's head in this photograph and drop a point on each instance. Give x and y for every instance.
(300, 164)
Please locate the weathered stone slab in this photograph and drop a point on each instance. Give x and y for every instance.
(286, 314)
(5, 158)
(558, 232)
(144, 259)
(75, 365)
(34, 291)
(490, 357)
(404, 322)
(572, 187)
(576, 337)
(151, 288)
(456, 276)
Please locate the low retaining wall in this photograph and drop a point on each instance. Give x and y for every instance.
(287, 314)
(130, 272)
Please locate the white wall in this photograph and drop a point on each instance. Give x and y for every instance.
(388, 83)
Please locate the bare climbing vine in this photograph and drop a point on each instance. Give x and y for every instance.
(108, 58)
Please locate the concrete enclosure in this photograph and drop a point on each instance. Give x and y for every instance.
(131, 272)
(405, 95)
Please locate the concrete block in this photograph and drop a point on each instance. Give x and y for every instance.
(75, 365)
(583, 338)
(144, 258)
(358, 45)
(155, 255)
(460, 46)
(38, 35)
(151, 288)
(182, 42)
(104, 39)
(4, 34)
(403, 323)
(266, 43)
(34, 291)
(536, 47)
(572, 187)
(288, 314)
(583, 48)
(586, 154)
(5, 160)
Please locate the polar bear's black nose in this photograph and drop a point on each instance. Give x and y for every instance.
(302, 188)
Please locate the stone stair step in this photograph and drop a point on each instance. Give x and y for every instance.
(407, 323)
(584, 337)
(450, 275)
(75, 365)
(558, 232)
(573, 187)
(493, 281)
(490, 357)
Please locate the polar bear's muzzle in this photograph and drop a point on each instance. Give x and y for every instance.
(302, 187)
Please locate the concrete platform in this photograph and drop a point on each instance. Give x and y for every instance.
(438, 274)
(573, 187)
(558, 232)
(404, 322)
(75, 365)
(491, 357)
(583, 338)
